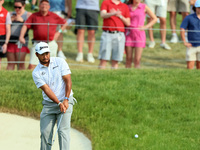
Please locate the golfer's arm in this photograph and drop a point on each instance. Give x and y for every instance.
(49, 93)
(68, 82)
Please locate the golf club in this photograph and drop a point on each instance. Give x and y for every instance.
(57, 130)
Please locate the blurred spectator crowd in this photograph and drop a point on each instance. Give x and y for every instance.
(123, 31)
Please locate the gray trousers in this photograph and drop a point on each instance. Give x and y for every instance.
(48, 117)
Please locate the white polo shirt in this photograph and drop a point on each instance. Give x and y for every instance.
(52, 76)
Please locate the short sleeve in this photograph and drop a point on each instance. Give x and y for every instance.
(185, 23)
(8, 19)
(65, 70)
(59, 19)
(104, 6)
(29, 21)
(37, 79)
(127, 12)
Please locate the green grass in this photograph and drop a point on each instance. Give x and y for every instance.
(161, 106)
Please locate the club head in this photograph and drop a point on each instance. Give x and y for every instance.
(49, 144)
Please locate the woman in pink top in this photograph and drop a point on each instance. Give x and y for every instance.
(135, 34)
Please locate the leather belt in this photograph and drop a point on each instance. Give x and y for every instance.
(112, 32)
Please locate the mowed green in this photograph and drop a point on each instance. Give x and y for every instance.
(161, 106)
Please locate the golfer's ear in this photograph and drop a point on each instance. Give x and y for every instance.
(36, 54)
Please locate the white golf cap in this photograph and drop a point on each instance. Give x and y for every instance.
(41, 48)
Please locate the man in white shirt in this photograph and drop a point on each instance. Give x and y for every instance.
(53, 76)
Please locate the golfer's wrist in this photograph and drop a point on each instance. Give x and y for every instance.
(59, 103)
(67, 98)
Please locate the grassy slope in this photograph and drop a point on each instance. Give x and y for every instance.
(161, 106)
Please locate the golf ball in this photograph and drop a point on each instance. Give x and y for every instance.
(136, 136)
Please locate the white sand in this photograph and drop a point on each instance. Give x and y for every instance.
(22, 133)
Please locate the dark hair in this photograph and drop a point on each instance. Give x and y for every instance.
(194, 8)
(23, 2)
(129, 1)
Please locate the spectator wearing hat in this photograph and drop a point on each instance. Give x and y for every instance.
(43, 24)
(191, 23)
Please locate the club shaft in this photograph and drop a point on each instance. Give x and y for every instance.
(57, 128)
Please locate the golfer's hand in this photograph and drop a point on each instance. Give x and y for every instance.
(62, 108)
(65, 103)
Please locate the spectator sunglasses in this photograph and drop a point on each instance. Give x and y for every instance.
(17, 7)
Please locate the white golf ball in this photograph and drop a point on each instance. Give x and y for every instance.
(136, 136)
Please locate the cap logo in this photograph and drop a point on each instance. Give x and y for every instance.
(43, 47)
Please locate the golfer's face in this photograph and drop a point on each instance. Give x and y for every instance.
(44, 58)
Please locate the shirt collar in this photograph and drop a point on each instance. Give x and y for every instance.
(42, 66)
(116, 4)
(195, 14)
(139, 6)
(46, 15)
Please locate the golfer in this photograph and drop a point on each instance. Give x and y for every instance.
(53, 76)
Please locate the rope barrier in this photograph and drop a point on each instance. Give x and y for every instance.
(96, 41)
(92, 26)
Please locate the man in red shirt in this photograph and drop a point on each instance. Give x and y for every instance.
(116, 16)
(43, 24)
(5, 30)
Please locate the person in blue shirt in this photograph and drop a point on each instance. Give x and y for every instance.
(192, 24)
